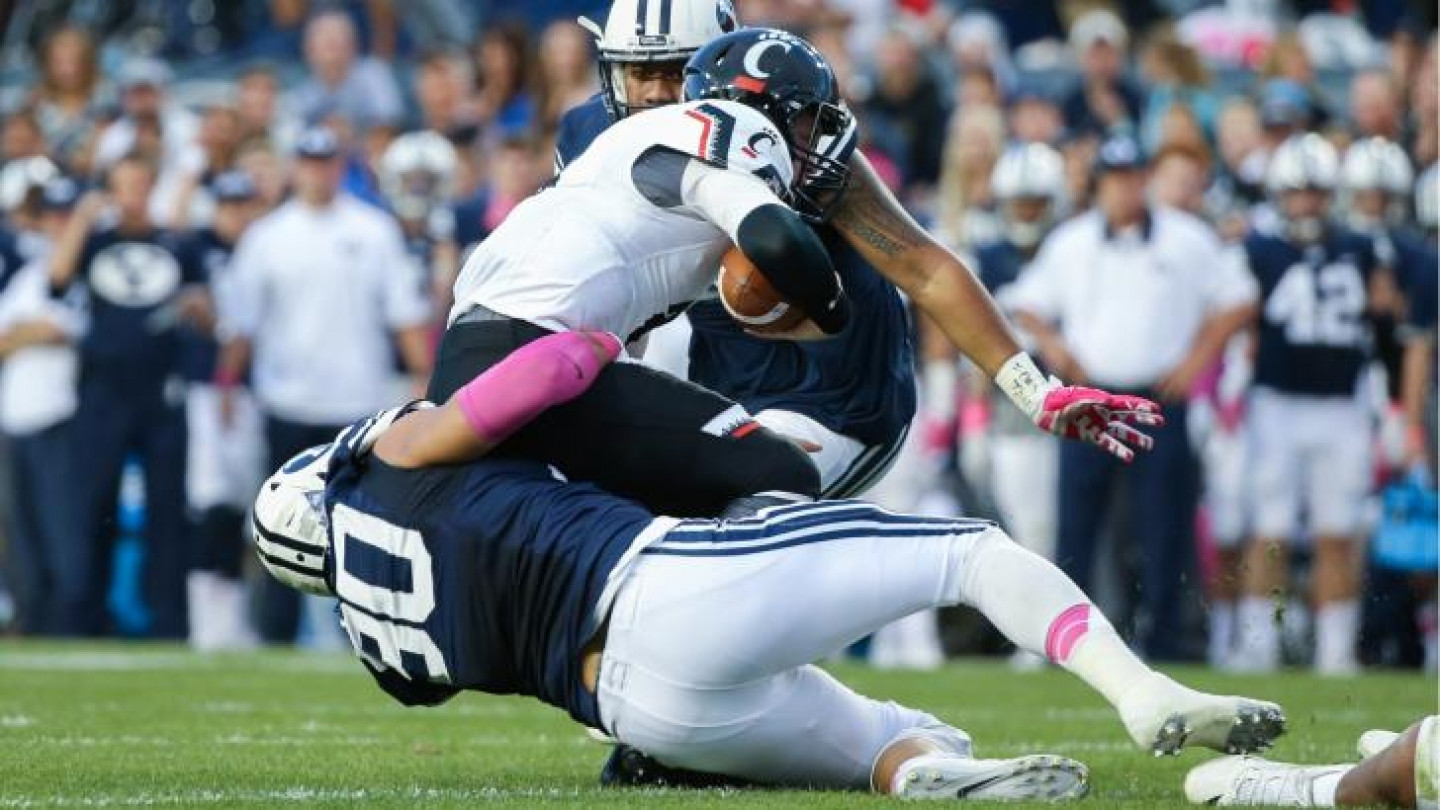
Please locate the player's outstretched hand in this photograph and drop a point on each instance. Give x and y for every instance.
(1110, 421)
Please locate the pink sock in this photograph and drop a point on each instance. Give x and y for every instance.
(537, 376)
(1066, 631)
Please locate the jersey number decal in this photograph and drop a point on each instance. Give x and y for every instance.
(391, 620)
(717, 128)
(1320, 308)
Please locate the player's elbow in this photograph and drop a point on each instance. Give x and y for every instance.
(792, 257)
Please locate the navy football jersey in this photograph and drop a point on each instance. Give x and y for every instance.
(132, 281)
(488, 576)
(859, 383)
(209, 254)
(1314, 335)
(1000, 264)
(12, 256)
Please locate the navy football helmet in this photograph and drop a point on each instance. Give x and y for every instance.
(786, 79)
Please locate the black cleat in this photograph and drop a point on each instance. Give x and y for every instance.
(629, 767)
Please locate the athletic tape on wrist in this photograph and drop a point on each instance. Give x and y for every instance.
(1023, 383)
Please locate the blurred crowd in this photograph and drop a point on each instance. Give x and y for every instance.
(231, 229)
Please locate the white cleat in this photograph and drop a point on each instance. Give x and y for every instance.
(1031, 778)
(1374, 741)
(1253, 781)
(1168, 717)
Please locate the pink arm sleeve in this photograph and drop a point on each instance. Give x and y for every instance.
(539, 375)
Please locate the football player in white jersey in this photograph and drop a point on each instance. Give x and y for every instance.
(633, 230)
(626, 237)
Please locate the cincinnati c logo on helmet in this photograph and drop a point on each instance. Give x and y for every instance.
(754, 81)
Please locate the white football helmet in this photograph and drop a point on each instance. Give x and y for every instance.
(20, 177)
(1302, 163)
(1426, 201)
(417, 174)
(1305, 161)
(288, 522)
(1375, 164)
(1029, 171)
(653, 31)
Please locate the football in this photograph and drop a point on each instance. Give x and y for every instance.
(750, 298)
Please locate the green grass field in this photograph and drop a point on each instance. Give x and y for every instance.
(127, 725)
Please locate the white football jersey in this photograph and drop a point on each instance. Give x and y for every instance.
(633, 230)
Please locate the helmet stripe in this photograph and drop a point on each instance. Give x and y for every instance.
(282, 541)
(665, 17)
(642, 11)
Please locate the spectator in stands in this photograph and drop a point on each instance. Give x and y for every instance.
(1179, 176)
(259, 159)
(978, 45)
(1104, 101)
(226, 448)
(1424, 137)
(66, 98)
(1034, 117)
(1375, 105)
(1130, 297)
(444, 84)
(907, 99)
(183, 199)
(966, 211)
(257, 103)
(1240, 142)
(148, 119)
(505, 73)
(1180, 126)
(567, 72)
(342, 80)
(131, 401)
(1176, 79)
(321, 288)
(514, 174)
(37, 403)
(21, 137)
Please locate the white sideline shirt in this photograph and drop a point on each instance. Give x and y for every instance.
(38, 384)
(1130, 305)
(319, 292)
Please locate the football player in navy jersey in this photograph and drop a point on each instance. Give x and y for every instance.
(416, 176)
(225, 442)
(139, 290)
(692, 640)
(1309, 431)
(1376, 183)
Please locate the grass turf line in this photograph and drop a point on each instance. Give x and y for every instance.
(152, 725)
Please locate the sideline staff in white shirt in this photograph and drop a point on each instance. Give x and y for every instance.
(319, 288)
(1138, 299)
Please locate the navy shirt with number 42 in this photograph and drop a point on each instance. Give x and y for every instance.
(1315, 334)
(133, 281)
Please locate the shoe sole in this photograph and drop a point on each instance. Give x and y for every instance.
(1042, 778)
(1251, 728)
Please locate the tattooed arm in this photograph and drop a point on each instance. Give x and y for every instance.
(872, 220)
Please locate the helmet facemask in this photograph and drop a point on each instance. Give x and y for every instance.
(822, 137)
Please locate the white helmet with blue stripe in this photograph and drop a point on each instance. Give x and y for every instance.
(641, 31)
(1029, 171)
(1375, 165)
(1303, 162)
(288, 523)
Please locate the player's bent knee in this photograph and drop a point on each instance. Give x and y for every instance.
(768, 463)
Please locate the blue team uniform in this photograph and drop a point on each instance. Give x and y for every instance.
(1314, 336)
(209, 256)
(131, 403)
(859, 383)
(519, 561)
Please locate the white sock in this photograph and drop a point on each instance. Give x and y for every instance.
(1257, 632)
(1222, 632)
(1337, 625)
(1041, 610)
(1322, 789)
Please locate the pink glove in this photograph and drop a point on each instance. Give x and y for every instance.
(1107, 420)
